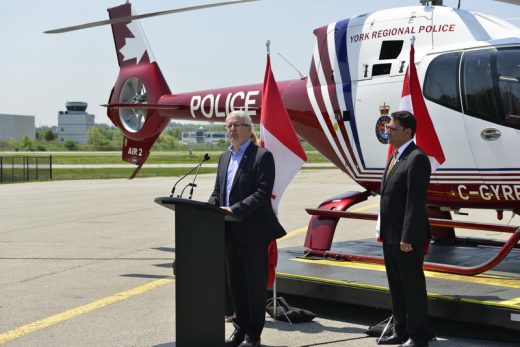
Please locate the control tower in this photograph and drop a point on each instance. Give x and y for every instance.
(74, 123)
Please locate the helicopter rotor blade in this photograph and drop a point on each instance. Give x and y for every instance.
(514, 2)
(140, 16)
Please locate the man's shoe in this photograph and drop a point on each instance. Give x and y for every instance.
(414, 343)
(234, 340)
(393, 339)
(249, 342)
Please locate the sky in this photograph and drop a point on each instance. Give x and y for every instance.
(197, 50)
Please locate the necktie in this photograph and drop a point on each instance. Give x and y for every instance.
(392, 163)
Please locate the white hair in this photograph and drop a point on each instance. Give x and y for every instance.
(243, 116)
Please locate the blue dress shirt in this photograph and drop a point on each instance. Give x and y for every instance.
(234, 162)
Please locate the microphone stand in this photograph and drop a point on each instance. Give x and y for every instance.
(206, 157)
(193, 185)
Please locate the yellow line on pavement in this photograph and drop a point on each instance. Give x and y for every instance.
(302, 230)
(363, 208)
(60, 317)
(293, 233)
(63, 316)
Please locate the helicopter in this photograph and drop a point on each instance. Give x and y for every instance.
(468, 64)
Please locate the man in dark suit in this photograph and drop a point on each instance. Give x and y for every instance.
(244, 185)
(404, 231)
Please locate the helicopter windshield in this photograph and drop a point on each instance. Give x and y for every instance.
(490, 82)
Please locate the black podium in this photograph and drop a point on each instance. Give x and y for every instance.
(199, 271)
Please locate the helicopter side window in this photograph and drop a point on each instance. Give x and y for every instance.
(508, 68)
(479, 92)
(381, 69)
(441, 83)
(390, 49)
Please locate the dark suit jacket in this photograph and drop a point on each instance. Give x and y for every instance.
(250, 196)
(403, 199)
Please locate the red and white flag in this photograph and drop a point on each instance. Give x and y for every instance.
(425, 136)
(412, 100)
(277, 134)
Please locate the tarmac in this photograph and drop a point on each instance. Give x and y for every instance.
(88, 263)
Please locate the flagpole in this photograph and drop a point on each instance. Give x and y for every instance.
(275, 298)
(279, 137)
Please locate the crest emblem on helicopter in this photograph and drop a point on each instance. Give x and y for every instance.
(384, 119)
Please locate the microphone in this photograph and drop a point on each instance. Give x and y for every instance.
(206, 157)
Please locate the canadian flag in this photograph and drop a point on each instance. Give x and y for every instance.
(412, 100)
(425, 136)
(277, 134)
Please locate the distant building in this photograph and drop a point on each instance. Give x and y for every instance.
(202, 135)
(15, 127)
(74, 123)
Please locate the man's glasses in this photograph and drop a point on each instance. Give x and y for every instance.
(391, 128)
(236, 125)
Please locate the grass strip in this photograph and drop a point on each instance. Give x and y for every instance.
(172, 157)
(108, 173)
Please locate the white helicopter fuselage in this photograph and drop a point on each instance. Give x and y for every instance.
(468, 65)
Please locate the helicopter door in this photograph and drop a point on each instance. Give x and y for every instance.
(491, 101)
(442, 93)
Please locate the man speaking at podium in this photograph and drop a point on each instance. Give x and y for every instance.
(244, 185)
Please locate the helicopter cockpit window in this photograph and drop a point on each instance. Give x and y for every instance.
(492, 85)
(441, 82)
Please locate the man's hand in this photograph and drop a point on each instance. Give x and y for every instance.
(226, 208)
(406, 247)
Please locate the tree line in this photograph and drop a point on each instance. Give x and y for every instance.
(101, 137)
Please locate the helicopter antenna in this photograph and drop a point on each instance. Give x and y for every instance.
(302, 76)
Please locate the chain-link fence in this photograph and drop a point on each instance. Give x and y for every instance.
(25, 168)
